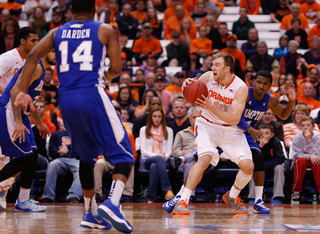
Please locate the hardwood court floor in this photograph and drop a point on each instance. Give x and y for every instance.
(61, 218)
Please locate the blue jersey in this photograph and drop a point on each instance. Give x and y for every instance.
(80, 55)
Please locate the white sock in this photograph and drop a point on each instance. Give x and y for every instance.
(116, 191)
(24, 195)
(259, 192)
(7, 182)
(91, 205)
(234, 192)
(181, 190)
(186, 194)
(241, 181)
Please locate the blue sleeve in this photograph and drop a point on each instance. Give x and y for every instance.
(243, 124)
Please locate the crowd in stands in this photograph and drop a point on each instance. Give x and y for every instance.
(158, 120)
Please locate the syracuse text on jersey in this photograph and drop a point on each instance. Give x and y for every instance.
(220, 98)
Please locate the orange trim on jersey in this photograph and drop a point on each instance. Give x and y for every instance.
(224, 125)
(20, 54)
(234, 76)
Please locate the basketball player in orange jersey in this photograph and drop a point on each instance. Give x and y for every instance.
(217, 126)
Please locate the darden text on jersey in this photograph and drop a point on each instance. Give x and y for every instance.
(76, 33)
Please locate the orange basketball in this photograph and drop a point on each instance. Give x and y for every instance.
(194, 91)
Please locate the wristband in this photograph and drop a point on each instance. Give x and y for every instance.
(243, 124)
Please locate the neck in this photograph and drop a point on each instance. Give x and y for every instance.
(257, 98)
(23, 52)
(226, 80)
(181, 119)
(82, 17)
(47, 83)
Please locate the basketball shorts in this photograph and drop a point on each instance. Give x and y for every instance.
(12, 148)
(231, 140)
(94, 126)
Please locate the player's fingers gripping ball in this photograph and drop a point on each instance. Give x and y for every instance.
(195, 90)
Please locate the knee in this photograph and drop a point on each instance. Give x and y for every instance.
(247, 166)
(99, 165)
(204, 161)
(153, 167)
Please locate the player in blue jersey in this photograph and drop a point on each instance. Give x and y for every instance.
(87, 112)
(258, 102)
(17, 139)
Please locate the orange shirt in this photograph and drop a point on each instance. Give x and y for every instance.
(50, 109)
(286, 22)
(299, 1)
(11, 6)
(142, 46)
(310, 11)
(238, 54)
(311, 102)
(315, 30)
(203, 22)
(205, 44)
(173, 24)
(251, 5)
(187, 4)
(173, 89)
(300, 87)
(47, 121)
(140, 16)
(169, 12)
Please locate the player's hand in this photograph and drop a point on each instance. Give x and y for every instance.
(24, 100)
(205, 103)
(314, 159)
(291, 91)
(43, 130)
(19, 131)
(186, 82)
(256, 134)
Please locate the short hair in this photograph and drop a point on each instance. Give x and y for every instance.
(124, 36)
(265, 74)
(160, 67)
(315, 37)
(296, 19)
(244, 8)
(306, 118)
(179, 99)
(194, 108)
(300, 107)
(227, 58)
(293, 42)
(285, 37)
(262, 42)
(118, 109)
(49, 69)
(265, 125)
(140, 71)
(223, 23)
(206, 56)
(25, 32)
(86, 6)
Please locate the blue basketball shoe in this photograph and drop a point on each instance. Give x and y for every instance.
(169, 205)
(28, 206)
(115, 215)
(259, 208)
(90, 221)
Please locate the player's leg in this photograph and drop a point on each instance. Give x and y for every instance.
(4, 185)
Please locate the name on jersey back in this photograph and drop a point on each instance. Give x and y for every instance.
(76, 33)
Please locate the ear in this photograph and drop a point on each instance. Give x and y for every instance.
(272, 134)
(22, 41)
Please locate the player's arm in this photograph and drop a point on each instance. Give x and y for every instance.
(233, 116)
(1, 89)
(203, 78)
(108, 37)
(43, 128)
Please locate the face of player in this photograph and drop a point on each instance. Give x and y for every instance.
(261, 85)
(156, 118)
(40, 107)
(266, 132)
(51, 58)
(193, 117)
(179, 109)
(299, 116)
(124, 95)
(31, 41)
(307, 126)
(267, 117)
(218, 69)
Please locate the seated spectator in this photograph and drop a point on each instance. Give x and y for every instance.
(49, 87)
(4, 17)
(292, 129)
(101, 6)
(56, 119)
(122, 41)
(68, 15)
(125, 99)
(307, 97)
(29, 6)
(220, 42)
(177, 51)
(292, 80)
(38, 27)
(156, 23)
(202, 44)
(312, 77)
(15, 8)
(179, 112)
(58, 6)
(161, 71)
(298, 34)
(125, 68)
(139, 75)
(232, 49)
(159, 5)
(170, 11)
(269, 118)
(63, 162)
(127, 24)
(279, 10)
(40, 107)
(9, 37)
(148, 84)
(288, 61)
(310, 8)
(184, 146)
(200, 14)
(37, 15)
(56, 20)
(210, 6)
(283, 49)
(192, 63)
(212, 28)
(109, 15)
(249, 48)
(50, 108)
(150, 63)
(206, 66)
(156, 141)
(274, 158)
(165, 95)
(242, 25)
(306, 153)
(144, 107)
(281, 81)
(215, 13)
(176, 87)
(301, 66)
(140, 13)
(251, 6)
(186, 34)
(295, 12)
(262, 60)
(312, 55)
(314, 31)
(126, 79)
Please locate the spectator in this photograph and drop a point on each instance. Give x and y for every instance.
(149, 83)
(9, 38)
(63, 162)
(4, 17)
(177, 51)
(308, 91)
(219, 42)
(144, 107)
(242, 25)
(150, 63)
(232, 49)
(298, 34)
(215, 13)
(170, 11)
(139, 75)
(125, 68)
(315, 30)
(126, 79)
(58, 6)
(279, 10)
(179, 112)
(156, 141)
(192, 63)
(251, 6)
(249, 48)
(306, 153)
(274, 158)
(310, 8)
(202, 44)
(49, 87)
(292, 129)
(159, 5)
(15, 8)
(178, 79)
(146, 44)
(262, 60)
(49, 106)
(29, 6)
(156, 23)
(187, 35)
(127, 24)
(40, 107)
(101, 6)
(292, 81)
(210, 6)
(312, 55)
(288, 61)
(122, 41)
(56, 119)
(56, 20)
(283, 49)
(109, 15)
(295, 12)
(165, 95)
(125, 100)
(201, 13)
(212, 29)
(206, 66)
(161, 71)
(140, 13)
(68, 15)
(37, 15)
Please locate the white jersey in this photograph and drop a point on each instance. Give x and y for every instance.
(222, 97)
(10, 63)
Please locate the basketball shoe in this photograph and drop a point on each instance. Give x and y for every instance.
(115, 215)
(3, 202)
(90, 221)
(28, 206)
(237, 204)
(169, 205)
(259, 208)
(181, 208)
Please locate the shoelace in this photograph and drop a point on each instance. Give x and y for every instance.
(173, 201)
(262, 205)
(239, 202)
(183, 204)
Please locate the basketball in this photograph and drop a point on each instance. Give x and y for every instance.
(194, 91)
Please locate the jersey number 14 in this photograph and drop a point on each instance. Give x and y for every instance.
(81, 55)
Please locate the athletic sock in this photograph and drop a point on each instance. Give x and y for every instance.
(24, 195)
(259, 192)
(234, 192)
(94, 207)
(181, 190)
(241, 181)
(116, 191)
(186, 194)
